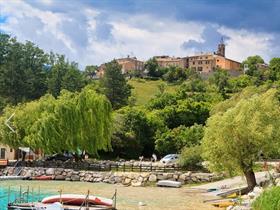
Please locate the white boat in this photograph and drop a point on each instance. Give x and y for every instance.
(169, 183)
(12, 177)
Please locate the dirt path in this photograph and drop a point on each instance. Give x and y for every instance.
(231, 183)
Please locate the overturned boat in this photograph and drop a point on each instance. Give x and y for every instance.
(68, 202)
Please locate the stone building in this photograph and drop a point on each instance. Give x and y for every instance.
(166, 61)
(128, 64)
(208, 62)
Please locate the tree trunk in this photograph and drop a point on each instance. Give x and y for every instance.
(251, 180)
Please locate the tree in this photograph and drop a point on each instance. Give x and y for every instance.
(115, 86)
(173, 141)
(64, 75)
(153, 68)
(274, 69)
(236, 134)
(220, 79)
(72, 122)
(22, 70)
(91, 71)
(252, 62)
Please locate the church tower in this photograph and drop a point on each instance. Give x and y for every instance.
(221, 48)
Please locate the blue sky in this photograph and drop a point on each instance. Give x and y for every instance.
(92, 32)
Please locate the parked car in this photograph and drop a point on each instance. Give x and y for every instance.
(59, 157)
(171, 158)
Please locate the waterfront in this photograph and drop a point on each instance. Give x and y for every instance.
(128, 198)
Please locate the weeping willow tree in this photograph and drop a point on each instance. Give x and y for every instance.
(72, 122)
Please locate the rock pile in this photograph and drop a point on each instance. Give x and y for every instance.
(126, 178)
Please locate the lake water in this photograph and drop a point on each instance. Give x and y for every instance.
(128, 198)
(10, 191)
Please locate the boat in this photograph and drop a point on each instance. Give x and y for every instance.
(12, 178)
(76, 199)
(169, 183)
(55, 206)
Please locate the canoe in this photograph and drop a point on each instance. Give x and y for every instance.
(42, 178)
(12, 177)
(223, 204)
(168, 183)
(75, 199)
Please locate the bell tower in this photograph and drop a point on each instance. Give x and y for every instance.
(221, 48)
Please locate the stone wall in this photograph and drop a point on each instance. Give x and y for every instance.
(125, 178)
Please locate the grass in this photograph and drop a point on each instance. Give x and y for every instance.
(268, 200)
(144, 90)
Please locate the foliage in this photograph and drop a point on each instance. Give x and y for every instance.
(64, 75)
(268, 200)
(153, 69)
(114, 85)
(252, 62)
(237, 133)
(220, 79)
(133, 133)
(173, 140)
(22, 70)
(185, 112)
(236, 84)
(274, 68)
(91, 71)
(72, 121)
(190, 158)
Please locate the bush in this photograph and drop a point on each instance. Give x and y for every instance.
(191, 158)
(268, 200)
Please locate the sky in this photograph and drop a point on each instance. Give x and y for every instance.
(91, 32)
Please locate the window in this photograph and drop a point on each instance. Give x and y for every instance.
(11, 150)
(199, 68)
(199, 62)
(193, 63)
(206, 57)
(218, 60)
(207, 62)
(2, 153)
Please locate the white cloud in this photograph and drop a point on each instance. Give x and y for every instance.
(80, 35)
(243, 43)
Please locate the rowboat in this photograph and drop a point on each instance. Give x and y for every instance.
(168, 183)
(76, 199)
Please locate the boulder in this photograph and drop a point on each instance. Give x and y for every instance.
(50, 171)
(59, 177)
(75, 178)
(152, 178)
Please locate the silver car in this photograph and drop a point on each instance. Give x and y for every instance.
(171, 158)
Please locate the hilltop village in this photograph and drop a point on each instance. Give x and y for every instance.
(204, 63)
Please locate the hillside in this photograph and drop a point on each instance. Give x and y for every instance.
(144, 90)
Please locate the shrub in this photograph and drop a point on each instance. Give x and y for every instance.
(268, 200)
(191, 158)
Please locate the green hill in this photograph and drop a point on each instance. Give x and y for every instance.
(144, 90)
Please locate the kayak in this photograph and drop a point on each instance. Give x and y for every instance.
(75, 199)
(168, 183)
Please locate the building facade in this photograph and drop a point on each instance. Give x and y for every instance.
(204, 62)
(128, 64)
(7, 153)
(167, 61)
(208, 62)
